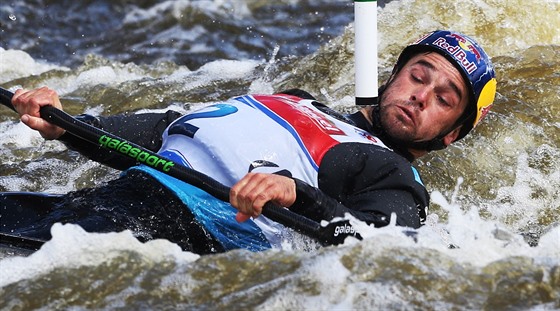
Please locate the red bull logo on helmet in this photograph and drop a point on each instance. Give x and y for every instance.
(466, 45)
(461, 51)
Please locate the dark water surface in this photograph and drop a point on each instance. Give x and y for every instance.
(189, 33)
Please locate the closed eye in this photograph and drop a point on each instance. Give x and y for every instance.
(442, 101)
(416, 77)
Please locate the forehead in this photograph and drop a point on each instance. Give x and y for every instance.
(445, 70)
(438, 63)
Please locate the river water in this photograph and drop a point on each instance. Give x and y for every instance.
(495, 195)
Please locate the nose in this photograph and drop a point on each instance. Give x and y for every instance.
(419, 97)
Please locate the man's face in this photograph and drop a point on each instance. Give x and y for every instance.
(424, 99)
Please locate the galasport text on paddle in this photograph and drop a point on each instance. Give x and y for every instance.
(333, 233)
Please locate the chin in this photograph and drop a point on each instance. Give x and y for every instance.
(395, 128)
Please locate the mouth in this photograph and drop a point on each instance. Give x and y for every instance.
(407, 115)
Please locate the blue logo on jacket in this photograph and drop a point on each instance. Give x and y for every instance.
(417, 176)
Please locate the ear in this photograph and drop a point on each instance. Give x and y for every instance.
(451, 136)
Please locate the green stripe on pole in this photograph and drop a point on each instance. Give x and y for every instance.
(365, 52)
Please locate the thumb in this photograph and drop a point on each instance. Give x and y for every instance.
(32, 122)
(46, 129)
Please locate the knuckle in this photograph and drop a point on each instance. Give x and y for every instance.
(263, 196)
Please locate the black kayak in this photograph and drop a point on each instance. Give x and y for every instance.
(20, 213)
(26, 218)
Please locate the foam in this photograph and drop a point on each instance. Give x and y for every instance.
(73, 247)
(17, 64)
(402, 21)
(232, 69)
(103, 75)
(18, 135)
(237, 9)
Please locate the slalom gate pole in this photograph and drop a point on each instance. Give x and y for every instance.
(365, 51)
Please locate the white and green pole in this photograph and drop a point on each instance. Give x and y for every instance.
(365, 51)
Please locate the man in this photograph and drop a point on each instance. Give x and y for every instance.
(286, 148)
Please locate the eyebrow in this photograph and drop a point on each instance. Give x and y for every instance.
(453, 86)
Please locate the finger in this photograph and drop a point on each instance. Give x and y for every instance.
(28, 102)
(267, 187)
(19, 99)
(239, 190)
(244, 193)
(251, 192)
(234, 198)
(258, 199)
(254, 190)
(240, 217)
(245, 205)
(17, 94)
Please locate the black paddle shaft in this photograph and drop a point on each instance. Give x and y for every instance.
(6, 98)
(332, 234)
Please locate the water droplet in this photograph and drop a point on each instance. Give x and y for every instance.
(12, 17)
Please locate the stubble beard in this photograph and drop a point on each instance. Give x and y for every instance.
(393, 124)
